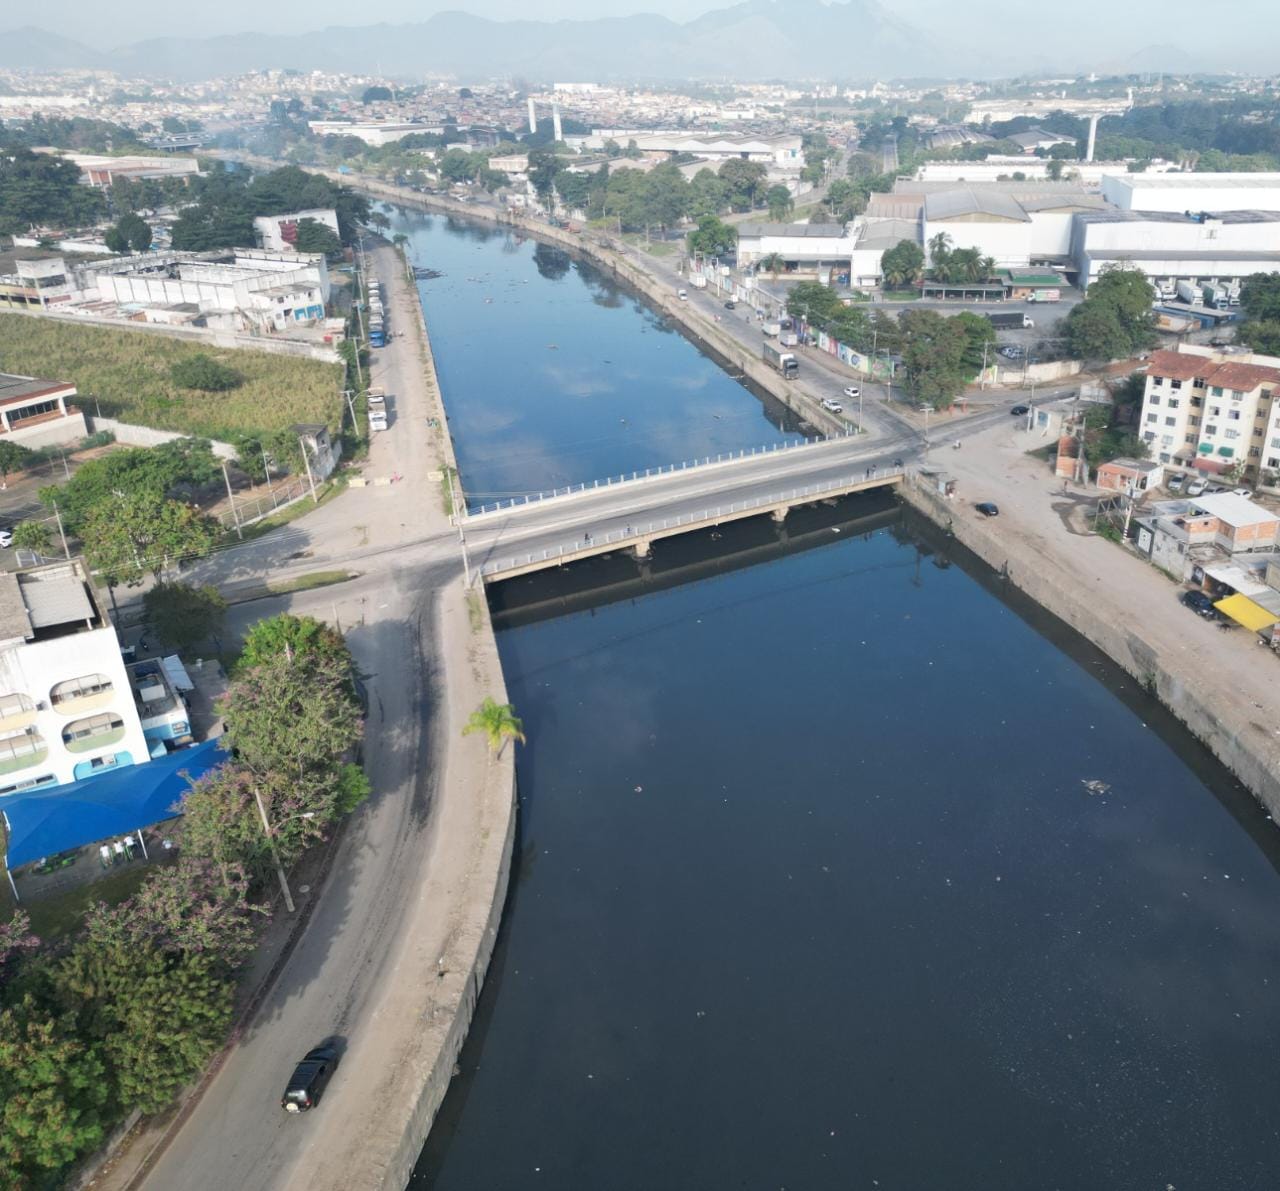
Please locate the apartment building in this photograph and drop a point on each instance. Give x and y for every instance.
(67, 708)
(1212, 411)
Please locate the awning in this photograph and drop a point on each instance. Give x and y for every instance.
(1244, 611)
(177, 674)
(59, 818)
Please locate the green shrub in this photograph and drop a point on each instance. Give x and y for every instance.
(204, 373)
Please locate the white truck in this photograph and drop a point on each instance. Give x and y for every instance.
(1189, 293)
(698, 281)
(1215, 297)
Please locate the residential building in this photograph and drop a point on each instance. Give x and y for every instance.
(1212, 411)
(42, 282)
(1196, 538)
(279, 233)
(37, 413)
(1129, 475)
(66, 704)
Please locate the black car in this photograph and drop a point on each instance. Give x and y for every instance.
(1019, 411)
(731, 305)
(1200, 604)
(987, 509)
(307, 1083)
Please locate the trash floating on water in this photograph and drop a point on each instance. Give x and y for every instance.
(1094, 786)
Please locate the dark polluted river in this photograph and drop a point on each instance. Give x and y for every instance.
(841, 867)
(554, 375)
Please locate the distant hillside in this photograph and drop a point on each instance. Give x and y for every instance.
(30, 48)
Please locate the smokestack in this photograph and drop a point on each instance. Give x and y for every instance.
(533, 117)
(556, 131)
(1093, 137)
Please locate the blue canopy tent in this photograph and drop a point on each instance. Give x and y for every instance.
(43, 822)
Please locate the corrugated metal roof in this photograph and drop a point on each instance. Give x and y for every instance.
(55, 600)
(1244, 611)
(955, 204)
(1235, 510)
(813, 231)
(14, 621)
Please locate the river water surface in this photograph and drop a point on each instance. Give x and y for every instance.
(840, 871)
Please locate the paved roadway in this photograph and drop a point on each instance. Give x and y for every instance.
(236, 1135)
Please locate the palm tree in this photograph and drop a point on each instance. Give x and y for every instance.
(498, 721)
(988, 268)
(773, 262)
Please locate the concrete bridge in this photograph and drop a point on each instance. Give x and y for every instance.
(530, 534)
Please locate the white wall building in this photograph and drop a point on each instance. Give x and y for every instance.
(817, 249)
(66, 705)
(255, 288)
(373, 132)
(279, 233)
(1193, 192)
(37, 413)
(1168, 245)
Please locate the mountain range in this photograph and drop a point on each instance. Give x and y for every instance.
(765, 39)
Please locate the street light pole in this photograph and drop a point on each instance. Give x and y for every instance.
(275, 853)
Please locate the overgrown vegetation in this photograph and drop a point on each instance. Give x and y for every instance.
(129, 374)
(1115, 320)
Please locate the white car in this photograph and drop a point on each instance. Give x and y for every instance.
(851, 390)
(6, 539)
(834, 406)
(377, 420)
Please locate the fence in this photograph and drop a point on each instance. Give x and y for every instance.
(283, 492)
(634, 533)
(653, 472)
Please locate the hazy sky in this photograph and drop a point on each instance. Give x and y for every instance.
(1148, 22)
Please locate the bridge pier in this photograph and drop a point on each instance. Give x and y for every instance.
(642, 548)
(780, 515)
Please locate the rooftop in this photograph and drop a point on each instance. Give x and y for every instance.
(17, 388)
(46, 601)
(1253, 181)
(962, 201)
(1236, 511)
(830, 231)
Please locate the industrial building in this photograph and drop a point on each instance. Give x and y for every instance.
(238, 289)
(1169, 246)
(1185, 193)
(784, 153)
(42, 282)
(1214, 412)
(102, 171)
(821, 250)
(279, 233)
(372, 132)
(38, 413)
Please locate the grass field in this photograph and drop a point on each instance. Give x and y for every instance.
(128, 373)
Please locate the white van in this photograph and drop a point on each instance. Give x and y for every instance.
(682, 294)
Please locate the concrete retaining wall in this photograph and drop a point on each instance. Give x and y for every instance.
(1248, 750)
(146, 436)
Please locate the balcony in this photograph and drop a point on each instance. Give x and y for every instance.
(78, 695)
(21, 750)
(95, 732)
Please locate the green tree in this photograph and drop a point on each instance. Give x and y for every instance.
(980, 341)
(182, 615)
(745, 181)
(708, 194)
(815, 303)
(157, 1018)
(376, 94)
(933, 357)
(940, 256)
(1115, 319)
(13, 457)
(53, 1093)
(44, 189)
(774, 263)
(498, 722)
(902, 265)
(1260, 306)
(286, 635)
(32, 535)
(780, 203)
(204, 373)
(314, 236)
(712, 237)
(133, 534)
(293, 717)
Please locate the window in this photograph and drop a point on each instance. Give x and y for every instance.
(1191, 438)
(1148, 436)
(1231, 434)
(13, 705)
(1166, 441)
(93, 732)
(1152, 418)
(1274, 461)
(1215, 390)
(1198, 382)
(1173, 403)
(1257, 432)
(1193, 421)
(1254, 452)
(1233, 415)
(1215, 410)
(1197, 402)
(39, 409)
(1210, 430)
(83, 687)
(45, 779)
(20, 749)
(1275, 442)
(1155, 399)
(1175, 385)
(1171, 421)
(1164, 456)
(1235, 394)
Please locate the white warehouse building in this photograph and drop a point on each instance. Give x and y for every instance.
(255, 288)
(1193, 192)
(279, 233)
(1165, 245)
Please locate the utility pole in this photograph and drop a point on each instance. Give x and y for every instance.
(266, 471)
(306, 460)
(235, 515)
(62, 533)
(462, 537)
(351, 406)
(275, 854)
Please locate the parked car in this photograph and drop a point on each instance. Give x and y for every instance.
(834, 406)
(683, 295)
(851, 390)
(6, 539)
(1020, 411)
(731, 305)
(987, 509)
(1200, 604)
(307, 1083)
(1196, 488)
(1175, 482)
(1011, 351)
(1234, 491)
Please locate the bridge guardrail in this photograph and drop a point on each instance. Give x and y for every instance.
(636, 532)
(664, 470)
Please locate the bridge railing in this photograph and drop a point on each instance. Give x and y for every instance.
(633, 533)
(664, 470)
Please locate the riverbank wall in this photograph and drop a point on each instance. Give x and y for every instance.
(1248, 749)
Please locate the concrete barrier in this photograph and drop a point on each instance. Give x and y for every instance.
(148, 436)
